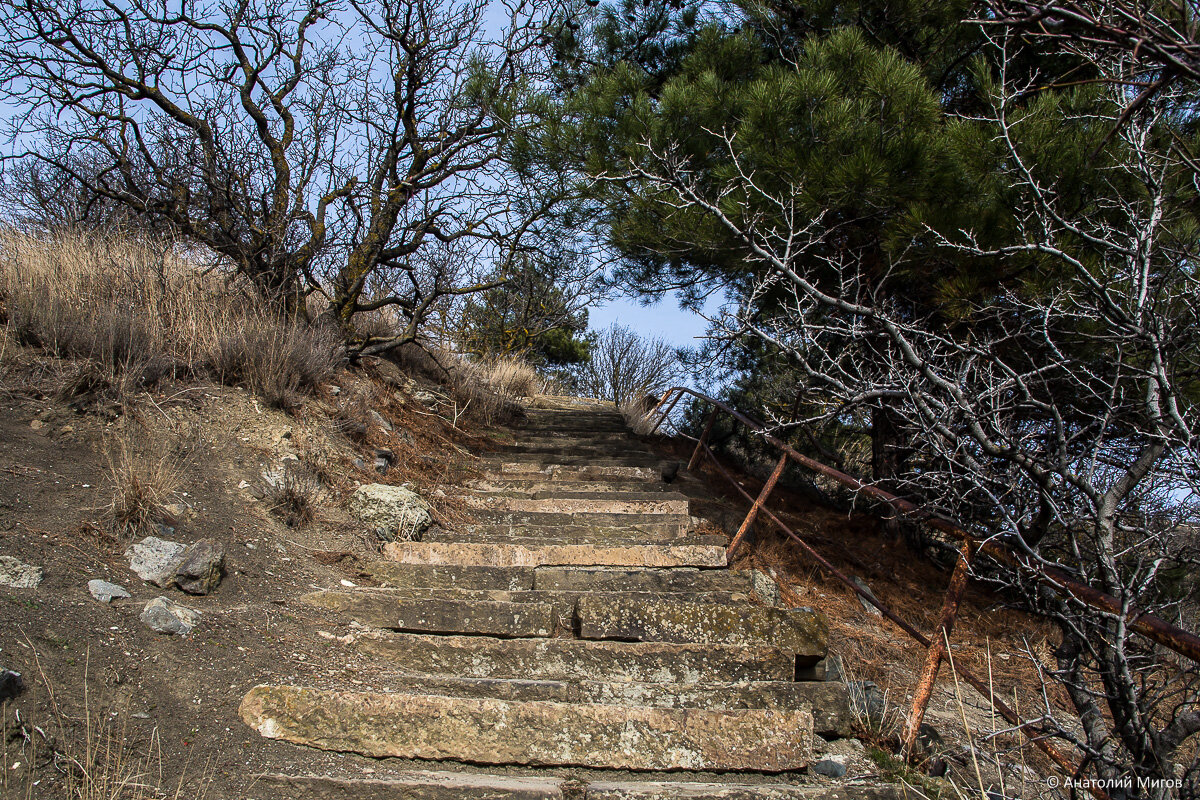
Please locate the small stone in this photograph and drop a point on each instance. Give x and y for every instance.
(19, 575)
(106, 592)
(67, 430)
(381, 465)
(378, 419)
(829, 768)
(360, 464)
(154, 560)
(162, 615)
(11, 684)
(425, 398)
(386, 454)
(244, 485)
(765, 588)
(175, 511)
(333, 389)
(201, 566)
(37, 425)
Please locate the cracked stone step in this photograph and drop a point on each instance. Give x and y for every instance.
(829, 702)
(648, 466)
(518, 555)
(489, 731)
(567, 659)
(436, 615)
(801, 631)
(481, 786)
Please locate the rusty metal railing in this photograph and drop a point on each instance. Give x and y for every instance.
(1176, 639)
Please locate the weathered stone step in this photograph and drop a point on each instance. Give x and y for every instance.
(519, 555)
(640, 503)
(568, 659)
(536, 488)
(666, 523)
(627, 535)
(481, 786)
(449, 576)
(508, 468)
(408, 786)
(829, 702)
(572, 579)
(800, 631)
(489, 731)
(474, 615)
(608, 579)
(650, 466)
(573, 450)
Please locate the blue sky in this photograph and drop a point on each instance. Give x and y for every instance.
(665, 319)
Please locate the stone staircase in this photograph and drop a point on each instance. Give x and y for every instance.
(577, 642)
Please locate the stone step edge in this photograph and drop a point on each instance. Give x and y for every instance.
(431, 785)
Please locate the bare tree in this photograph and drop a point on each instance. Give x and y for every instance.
(1063, 420)
(625, 366)
(316, 147)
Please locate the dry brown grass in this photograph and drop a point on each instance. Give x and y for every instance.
(140, 483)
(124, 313)
(294, 495)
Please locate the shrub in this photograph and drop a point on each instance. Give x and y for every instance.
(140, 485)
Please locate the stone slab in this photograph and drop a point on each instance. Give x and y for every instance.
(611, 579)
(410, 786)
(546, 503)
(573, 659)
(549, 470)
(799, 630)
(487, 731)
(683, 790)
(516, 555)
(450, 576)
(435, 615)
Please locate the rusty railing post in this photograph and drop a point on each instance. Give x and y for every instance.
(670, 407)
(703, 438)
(937, 649)
(768, 487)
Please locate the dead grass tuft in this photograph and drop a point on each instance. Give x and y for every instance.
(281, 362)
(294, 494)
(140, 484)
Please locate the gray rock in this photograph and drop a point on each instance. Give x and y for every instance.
(381, 465)
(201, 567)
(764, 587)
(106, 592)
(868, 702)
(829, 768)
(175, 511)
(19, 575)
(400, 511)
(860, 583)
(833, 669)
(154, 560)
(378, 419)
(166, 616)
(425, 398)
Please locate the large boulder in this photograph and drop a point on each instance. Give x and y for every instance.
(395, 512)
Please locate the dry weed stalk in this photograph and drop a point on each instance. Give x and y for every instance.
(141, 484)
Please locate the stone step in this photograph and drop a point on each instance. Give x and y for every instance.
(549, 471)
(482, 786)
(629, 535)
(829, 702)
(567, 659)
(407, 786)
(625, 503)
(584, 437)
(607, 579)
(573, 450)
(473, 615)
(484, 612)
(535, 488)
(647, 466)
(524, 733)
(449, 576)
(582, 555)
(801, 631)
(666, 523)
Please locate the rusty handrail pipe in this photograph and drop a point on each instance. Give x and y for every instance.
(1157, 630)
(1029, 729)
